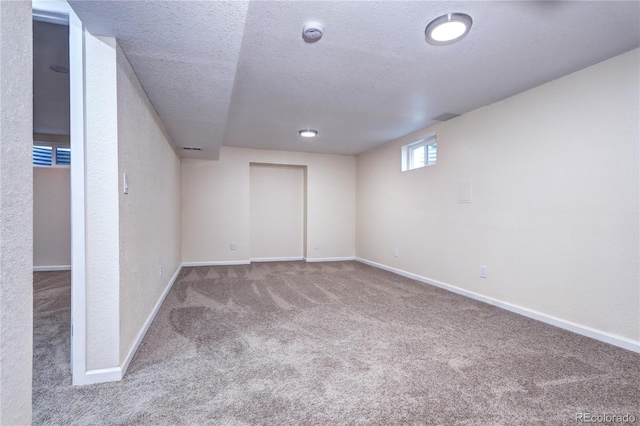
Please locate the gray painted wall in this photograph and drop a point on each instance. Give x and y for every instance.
(16, 210)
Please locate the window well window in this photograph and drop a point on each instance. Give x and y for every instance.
(42, 156)
(51, 156)
(63, 156)
(419, 154)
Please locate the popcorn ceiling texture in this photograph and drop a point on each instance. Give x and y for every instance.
(187, 64)
(239, 73)
(16, 228)
(295, 343)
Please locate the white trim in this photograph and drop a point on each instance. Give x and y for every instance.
(216, 263)
(55, 12)
(276, 259)
(329, 259)
(78, 255)
(60, 11)
(52, 268)
(603, 336)
(143, 331)
(102, 375)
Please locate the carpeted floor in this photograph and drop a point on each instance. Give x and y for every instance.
(334, 343)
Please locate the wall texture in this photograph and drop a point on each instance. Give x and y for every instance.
(16, 190)
(51, 216)
(149, 215)
(277, 211)
(216, 204)
(555, 196)
(101, 204)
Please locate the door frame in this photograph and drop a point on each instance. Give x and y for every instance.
(60, 12)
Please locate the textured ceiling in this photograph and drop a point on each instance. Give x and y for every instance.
(185, 54)
(240, 74)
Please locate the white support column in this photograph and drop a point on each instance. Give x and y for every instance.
(101, 210)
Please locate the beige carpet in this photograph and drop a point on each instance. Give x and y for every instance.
(333, 343)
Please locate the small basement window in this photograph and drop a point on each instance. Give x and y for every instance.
(419, 154)
(51, 156)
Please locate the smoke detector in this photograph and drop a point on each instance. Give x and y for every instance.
(312, 32)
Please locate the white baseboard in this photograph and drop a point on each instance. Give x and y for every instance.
(217, 263)
(267, 259)
(583, 330)
(104, 375)
(51, 268)
(330, 259)
(143, 331)
(276, 259)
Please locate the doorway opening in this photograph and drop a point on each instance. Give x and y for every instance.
(51, 197)
(277, 212)
(59, 133)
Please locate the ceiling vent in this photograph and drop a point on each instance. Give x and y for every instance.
(189, 148)
(446, 116)
(312, 32)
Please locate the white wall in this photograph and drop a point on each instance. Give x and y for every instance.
(128, 236)
(150, 213)
(101, 204)
(554, 215)
(216, 204)
(16, 225)
(51, 217)
(276, 211)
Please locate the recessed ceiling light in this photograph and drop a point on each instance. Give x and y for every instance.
(308, 133)
(59, 68)
(448, 28)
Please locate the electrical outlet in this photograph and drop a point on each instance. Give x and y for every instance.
(316, 246)
(483, 272)
(395, 252)
(160, 271)
(232, 246)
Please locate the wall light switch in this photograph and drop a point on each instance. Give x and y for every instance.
(464, 191)
(483, 272)
(125, 184)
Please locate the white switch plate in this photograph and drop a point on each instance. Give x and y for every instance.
(483, 272)
(464, 191)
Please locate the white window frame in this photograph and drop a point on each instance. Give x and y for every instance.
(408, 150)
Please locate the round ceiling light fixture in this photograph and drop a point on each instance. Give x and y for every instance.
(308, 133)
(312, 32)
(447, 29)
(59, 68)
